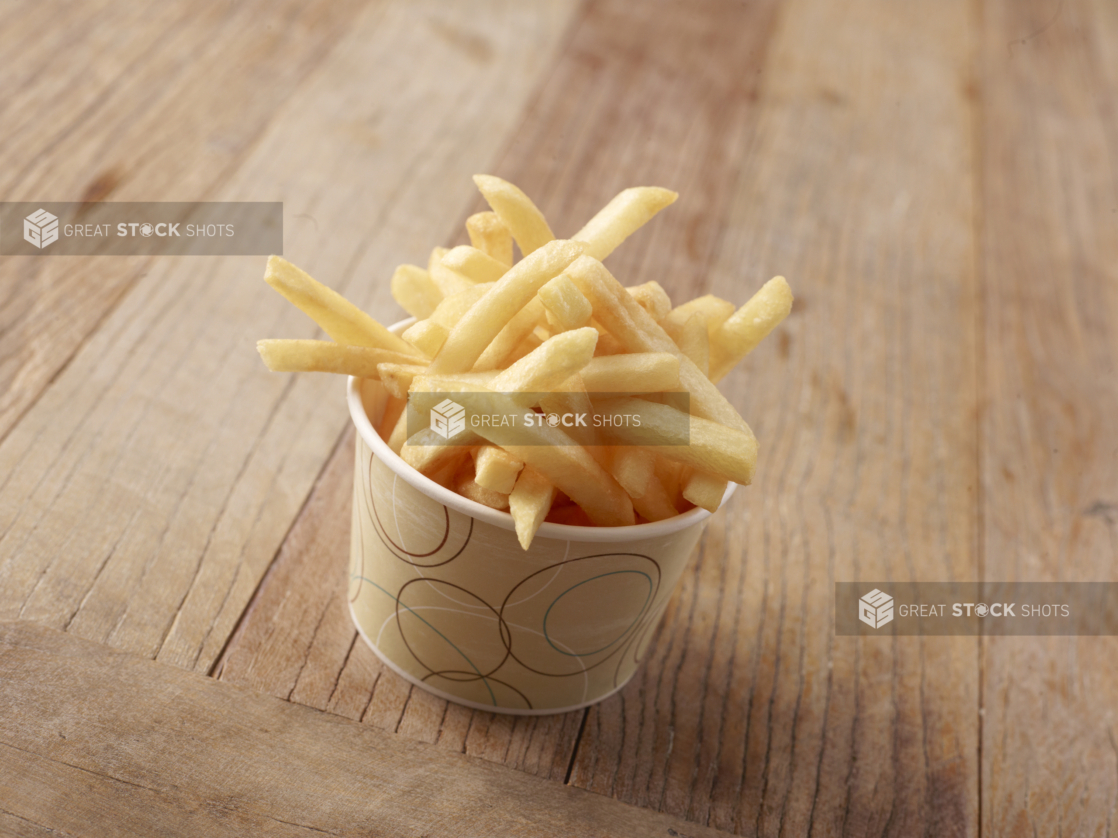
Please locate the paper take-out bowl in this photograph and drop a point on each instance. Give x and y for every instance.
(443, 593)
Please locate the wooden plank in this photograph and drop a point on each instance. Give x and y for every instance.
(146, 492)
(749, 714)
(297, 641)
(152, 102)
(654, 98)
(574, 149)
(105, 743)
(1050, 487)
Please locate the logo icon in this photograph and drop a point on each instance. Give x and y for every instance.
(448, 418)
(40, 228)
(875, 609)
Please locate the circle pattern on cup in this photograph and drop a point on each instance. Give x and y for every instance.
(457, 605)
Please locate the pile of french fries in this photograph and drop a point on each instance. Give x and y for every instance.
(554, 332)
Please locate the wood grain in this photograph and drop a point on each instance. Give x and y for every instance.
(147, 491)
(749, 714)
(1050, 482)
(151, 102)
(104, 742)
(297, 641)
(659, 93)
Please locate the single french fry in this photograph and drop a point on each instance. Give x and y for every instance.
(528, 345)
(630, 210)
(633, 468)
(489, 234)
(553, 325)
(653, 299)
(447, 281)
(338, 317)
(548, 366)
(481, 324)
(414, 290)
(446, 475)
(397, 378)
(705, 489)
(453, 308)
(529, 504)
(426, 382)
(523, 218)
(474, 264)
(640, 372)
(399, 433)
(469, 488)
(427, 452)
(714, 310)
(571, 398)
(749, 325)
(496, 469)
(656, 503)
(671, 474)
(393, 409)
(694, 342)
(564, 302)
(511, 337)
(691, 440)
(632, 326)
(427, 336)
(436, 257)
(428, 390)
(608, 346)
(324, 356)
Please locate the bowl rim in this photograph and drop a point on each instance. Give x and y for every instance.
(498, 518)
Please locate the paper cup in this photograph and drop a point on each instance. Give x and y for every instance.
(442, 592)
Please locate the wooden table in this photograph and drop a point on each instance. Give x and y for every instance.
(937, 180)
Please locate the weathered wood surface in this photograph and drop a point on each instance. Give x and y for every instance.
(145, 493)
(297, 641)
(98, 741)
(1049, 454)
(932, 176)
(750, 715)
(124, 102)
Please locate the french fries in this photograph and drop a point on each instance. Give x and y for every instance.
(474, 332)
(565, 302)
(324, 356)
(621, 217)
(522, 217)
(549, 365)
(694, 342)
(529, 504)
(653, 299)
(632, 326)
(496, 469)
(640, 372)
(714, 311)
(338, 317)
(489, 234)
(728, 452)
(414, 290)
(705, 489)
(599, 401)
(427, 336)
(749, 325)
(474, 264)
